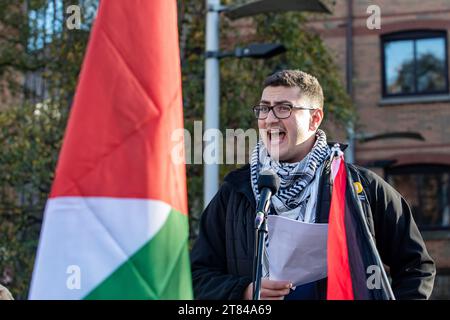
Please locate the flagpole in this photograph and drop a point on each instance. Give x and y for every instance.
(368, 234)
(212, 96)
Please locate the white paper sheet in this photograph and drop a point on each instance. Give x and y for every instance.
(297, 250)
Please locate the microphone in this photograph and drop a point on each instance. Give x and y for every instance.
(268, 185)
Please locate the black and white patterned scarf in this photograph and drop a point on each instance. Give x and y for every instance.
(296, 179)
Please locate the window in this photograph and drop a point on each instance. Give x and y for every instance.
(427, 190)
(47, 20)
(415, 63)
(44, 21)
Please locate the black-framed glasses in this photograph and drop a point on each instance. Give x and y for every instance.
(281, 110)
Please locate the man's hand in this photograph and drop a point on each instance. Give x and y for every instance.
(270, 290)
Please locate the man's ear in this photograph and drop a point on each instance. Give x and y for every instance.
(316, 119)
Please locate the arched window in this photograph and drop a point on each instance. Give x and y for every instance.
(427, 190)
(414, 63)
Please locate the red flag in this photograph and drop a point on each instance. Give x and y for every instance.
(129, 91)
(351, 249)
(117, 214)
(339, 278)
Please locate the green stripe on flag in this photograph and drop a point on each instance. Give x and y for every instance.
(158, 270)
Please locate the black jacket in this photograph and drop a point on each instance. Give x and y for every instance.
(222, 256)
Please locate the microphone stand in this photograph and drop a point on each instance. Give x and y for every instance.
(268, 184)
(261, 230)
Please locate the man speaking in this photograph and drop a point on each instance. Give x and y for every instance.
(294, 148)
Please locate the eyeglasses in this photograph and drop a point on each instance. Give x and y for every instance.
(281, 111)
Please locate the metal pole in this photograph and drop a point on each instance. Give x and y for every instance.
(350, 151)
(212, 95)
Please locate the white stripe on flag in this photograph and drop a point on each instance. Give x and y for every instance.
(96, 234)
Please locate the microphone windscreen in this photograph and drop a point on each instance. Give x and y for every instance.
(268, 179)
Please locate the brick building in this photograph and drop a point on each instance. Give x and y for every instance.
(400, 87)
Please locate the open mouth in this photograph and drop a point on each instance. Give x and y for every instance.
(276, 136)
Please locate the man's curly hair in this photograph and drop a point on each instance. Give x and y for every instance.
(308, 84)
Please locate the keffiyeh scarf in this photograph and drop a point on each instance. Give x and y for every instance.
(296, 179)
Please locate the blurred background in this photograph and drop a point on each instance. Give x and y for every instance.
(384, 72)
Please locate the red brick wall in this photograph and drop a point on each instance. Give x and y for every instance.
(429, 119)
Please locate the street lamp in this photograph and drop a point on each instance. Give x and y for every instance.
(212, 77)
(260, 51)
(255, 51)
(265, 6)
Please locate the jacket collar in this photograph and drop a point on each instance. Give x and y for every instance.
(240, 181)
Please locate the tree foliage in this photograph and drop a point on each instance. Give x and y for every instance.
(39, 65)
(30, 137)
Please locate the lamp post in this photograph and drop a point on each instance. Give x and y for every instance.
(212, 94)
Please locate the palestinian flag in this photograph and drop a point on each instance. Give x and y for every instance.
(355, 271)
(115, 225)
